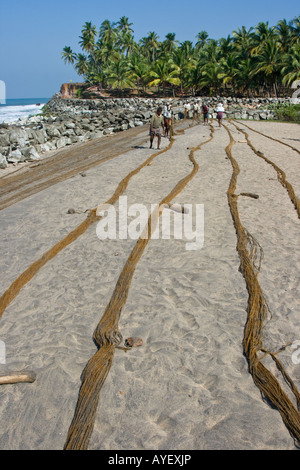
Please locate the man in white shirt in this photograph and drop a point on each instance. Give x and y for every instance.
(220, 113)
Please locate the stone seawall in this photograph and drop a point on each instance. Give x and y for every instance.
(69, 121)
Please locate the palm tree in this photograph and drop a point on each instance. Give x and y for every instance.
(118, 75)
(87, 43)
(244, 77)
(194, 75)
(244, 41)
(170, 43)
(139, 69)
(108, 33)
(179, 58)
(211, 76)
(296, 29)
(163, 73)
(150, 45)
(229, 65)
(123, 25)
(284, 34)
(291, 68)
(269, 62)
(226, 45)
(263, 33)
(127, 44)
(211, 51)
(87, 40)
(68, 55)
(201, 37)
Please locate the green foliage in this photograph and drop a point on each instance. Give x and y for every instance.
(288, 112)
(261, 59)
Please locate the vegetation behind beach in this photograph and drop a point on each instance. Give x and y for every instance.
(263, 60)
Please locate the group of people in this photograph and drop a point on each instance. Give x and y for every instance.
(163, 119)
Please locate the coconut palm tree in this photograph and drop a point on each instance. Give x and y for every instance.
(245, 80)
(243, 40)
(226, 46)
(183, 65)
(263, 33)
(123, 26)
(170, 43)
(291, 67)
(296, 29)
(68, 55)
(108, 33)
(118, 75)
(87, 43)
(87, 40)
(150, 45)
(284, 34)
(127, 44)
(139, 69)
(201, 37)
(163, 73)
(269, 62)
(211, 76)
(229, 66)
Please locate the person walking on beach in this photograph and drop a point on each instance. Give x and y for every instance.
(196, 110)
(167, 120)
(220, 113)
(205, 111)
(156, 122)
(187, 108)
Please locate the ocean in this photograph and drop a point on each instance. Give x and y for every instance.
(15, 109)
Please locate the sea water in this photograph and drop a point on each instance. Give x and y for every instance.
(15, 109)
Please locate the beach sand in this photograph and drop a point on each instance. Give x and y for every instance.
(188, 386)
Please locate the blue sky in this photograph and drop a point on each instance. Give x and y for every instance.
(33, 33)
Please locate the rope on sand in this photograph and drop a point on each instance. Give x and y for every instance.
(256, 314)
(281, 176)
(269, 137)
(14, 289)
(107, 335)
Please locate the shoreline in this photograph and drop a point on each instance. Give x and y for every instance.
(70, 121)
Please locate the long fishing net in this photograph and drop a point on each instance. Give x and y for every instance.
(107, 335)
(281, 176)
(257, 311)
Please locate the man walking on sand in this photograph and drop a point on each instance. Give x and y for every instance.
(156, 122)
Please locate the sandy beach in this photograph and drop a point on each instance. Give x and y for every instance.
(188, 387)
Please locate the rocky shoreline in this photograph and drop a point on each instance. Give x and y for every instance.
(66, 122)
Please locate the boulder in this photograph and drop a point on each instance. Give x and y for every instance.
(31, 154)
(39, 136)
(15, 156)
(63, 141)
(52, 132)
(18, 136)
(4, 140)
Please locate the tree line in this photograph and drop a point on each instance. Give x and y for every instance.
(259, 60)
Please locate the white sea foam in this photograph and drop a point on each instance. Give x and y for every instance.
(9, 114)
